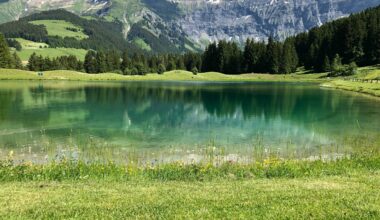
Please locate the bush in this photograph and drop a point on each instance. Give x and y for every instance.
(118, 72)
(337, 69)
(161, 69)
(134, 71)
(344, 70)
(195, 71)
(127, 71)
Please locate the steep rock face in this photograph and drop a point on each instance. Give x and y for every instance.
(193, 24)
(208, 20)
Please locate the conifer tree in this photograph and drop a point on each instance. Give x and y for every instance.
(5, 55)
(161, 68)
(101, 62)
(326, 67)
(126, 63)
(17, 63)
(90, 63)
(273, 56)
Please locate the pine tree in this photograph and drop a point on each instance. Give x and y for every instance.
(161, 68)
(273, 56)
(5, 55)
(126, 63)
(16, 61)
(209, 59)
(326, 67)
(32, 62)
(112, 60)
(101, 62)
(90, 63)
(289, 58)
(249, 56)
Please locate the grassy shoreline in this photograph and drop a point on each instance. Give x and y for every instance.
(372, 89)
(271, 167)
(177, 75)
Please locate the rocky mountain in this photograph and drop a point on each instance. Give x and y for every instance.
(192, 24)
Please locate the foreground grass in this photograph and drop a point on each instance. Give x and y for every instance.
(346, 188)
(332, 197)
(334, 187)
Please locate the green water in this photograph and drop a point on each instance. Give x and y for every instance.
(42, 119)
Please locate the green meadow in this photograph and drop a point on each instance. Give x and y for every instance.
(54, 28)
(366, 73)
(176, 75)
(62, 29)
(30, 47)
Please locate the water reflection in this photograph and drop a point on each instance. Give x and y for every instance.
(161, 115)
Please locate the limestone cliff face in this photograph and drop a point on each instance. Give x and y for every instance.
(199, 22)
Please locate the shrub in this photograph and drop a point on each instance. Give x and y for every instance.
(161, 69)
(337, 69)
(195, 71)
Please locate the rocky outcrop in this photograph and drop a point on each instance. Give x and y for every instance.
(199, 22)
(208, 20)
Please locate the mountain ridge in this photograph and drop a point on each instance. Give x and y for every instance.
(190, 25)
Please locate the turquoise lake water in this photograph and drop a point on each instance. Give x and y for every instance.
(43, 119)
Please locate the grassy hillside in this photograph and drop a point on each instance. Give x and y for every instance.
(24, 54)
(30, 47)
(62, 29)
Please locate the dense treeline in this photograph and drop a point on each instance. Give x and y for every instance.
(354, 39)
(140, 64)
(272, 57)
(39, 63)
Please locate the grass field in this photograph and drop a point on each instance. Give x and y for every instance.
(141, 43)
(364, 73)
(24, 54)
(177, 75)
(54, 28)
(30, 47)
(340, 189)
(61, 28)
(27, 44)
(355, 197)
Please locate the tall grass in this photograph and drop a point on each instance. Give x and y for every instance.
(272, 167)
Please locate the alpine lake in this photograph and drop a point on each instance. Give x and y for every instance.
(159, 122)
